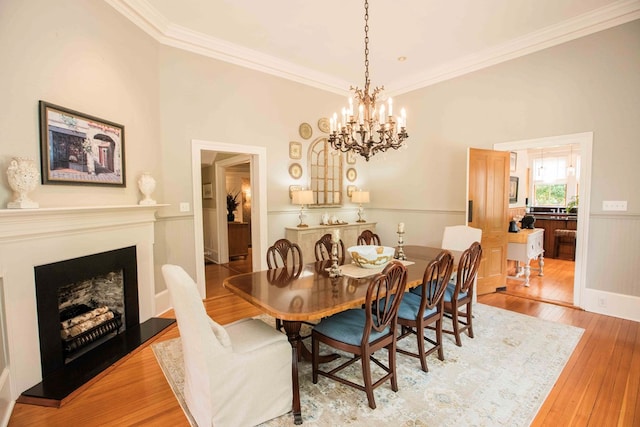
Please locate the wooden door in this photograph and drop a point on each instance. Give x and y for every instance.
(488, 178)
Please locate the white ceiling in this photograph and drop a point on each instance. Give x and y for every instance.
(321, 43)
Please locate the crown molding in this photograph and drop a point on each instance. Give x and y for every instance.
(615, 14)
(147, 18)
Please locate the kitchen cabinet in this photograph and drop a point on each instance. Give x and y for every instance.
(550, 224)
(523, 247)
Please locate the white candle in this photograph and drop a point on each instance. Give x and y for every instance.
(351, 106)
(335, 121)
(361, 114)
(403, 113)
(401, 227)
(382, 114)
(390, 107)
(335, 236)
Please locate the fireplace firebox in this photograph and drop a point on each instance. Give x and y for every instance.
(88, 318)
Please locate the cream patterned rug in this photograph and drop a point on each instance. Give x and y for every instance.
(499, 378)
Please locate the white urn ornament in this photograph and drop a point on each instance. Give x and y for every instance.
(23, 177)
(146, 184)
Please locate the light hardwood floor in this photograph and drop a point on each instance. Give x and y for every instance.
(599, 386)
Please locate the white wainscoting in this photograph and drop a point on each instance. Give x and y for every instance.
(612, 267)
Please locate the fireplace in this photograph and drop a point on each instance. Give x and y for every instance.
(99, 291)
(32, 238)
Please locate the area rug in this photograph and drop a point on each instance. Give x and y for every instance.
(499, 378)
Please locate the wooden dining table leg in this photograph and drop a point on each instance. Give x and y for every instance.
(292, 329)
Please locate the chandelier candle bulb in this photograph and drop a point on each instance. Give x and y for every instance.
(390, 107)
(335, 236)
(401, 227)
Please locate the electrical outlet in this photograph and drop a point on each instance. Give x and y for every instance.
(602, 302)
(614, 205)
(184, 207)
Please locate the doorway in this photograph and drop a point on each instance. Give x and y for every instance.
(585, 142)
(256, 157)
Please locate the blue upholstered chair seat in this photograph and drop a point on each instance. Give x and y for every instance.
(410, 305)
(348, 327)
(448, 293)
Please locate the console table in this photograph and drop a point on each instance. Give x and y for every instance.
(524, 246)
(306, 237)
(238, 239)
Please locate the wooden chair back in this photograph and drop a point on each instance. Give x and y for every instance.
(434, 281)
(323, 249)
(468, 270)
(368, 237)
(381, 311)
(284, 253)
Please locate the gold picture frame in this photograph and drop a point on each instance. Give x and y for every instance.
(352, 175)
(295, 170)
(323, 125)
(292, 189)
(350, 190)
(305, 130)
(295, 150)
(351, 158)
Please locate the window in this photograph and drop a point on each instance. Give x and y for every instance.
(550, 194)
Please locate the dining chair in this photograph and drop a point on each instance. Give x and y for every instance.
(323, 249)
(458, 297)
(363, 331)
(460, 237)
(368, 237)
(424, 310)
(226, 379)
(284, 260)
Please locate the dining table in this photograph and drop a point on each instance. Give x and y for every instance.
(299, 294)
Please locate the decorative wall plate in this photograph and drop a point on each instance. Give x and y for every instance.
(295, 170)
(295, 150)
(352, 174)
(305, 130)
(323, 125)
(350, 189)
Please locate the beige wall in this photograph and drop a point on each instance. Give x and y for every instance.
(85, 56)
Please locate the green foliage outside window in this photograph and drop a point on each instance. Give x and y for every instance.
(550, 194)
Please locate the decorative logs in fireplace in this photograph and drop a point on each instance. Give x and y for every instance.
(81, 325)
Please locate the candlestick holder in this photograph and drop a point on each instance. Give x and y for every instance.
(334, 270)
(400, 253)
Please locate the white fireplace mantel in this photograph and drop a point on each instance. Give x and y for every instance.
(34, 237)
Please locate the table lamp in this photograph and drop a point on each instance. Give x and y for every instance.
(302, 197)
(360, 197)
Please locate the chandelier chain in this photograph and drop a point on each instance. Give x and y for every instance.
(366, 44)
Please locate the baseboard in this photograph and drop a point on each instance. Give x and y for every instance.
(612, 304)
(6, 402)
(163, 302)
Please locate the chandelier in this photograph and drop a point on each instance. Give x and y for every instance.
(371, 130)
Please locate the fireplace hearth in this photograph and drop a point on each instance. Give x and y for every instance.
(88, 319)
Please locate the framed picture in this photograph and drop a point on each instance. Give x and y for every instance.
(352, 174)
(295, 170)
(513, 160)
(79, 149)
(292, 189)
(295, 150)
(207, 191)
(350, 189)
(351, 158)
(305, 130)
(513, 189)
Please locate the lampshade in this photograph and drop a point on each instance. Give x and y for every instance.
(360, 197)
(302, 197)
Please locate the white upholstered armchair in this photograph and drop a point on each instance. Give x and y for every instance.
(237, 375)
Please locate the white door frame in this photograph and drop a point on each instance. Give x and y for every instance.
(585, 141)
(258, 160)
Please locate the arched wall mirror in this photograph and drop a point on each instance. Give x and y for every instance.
(325, 167)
